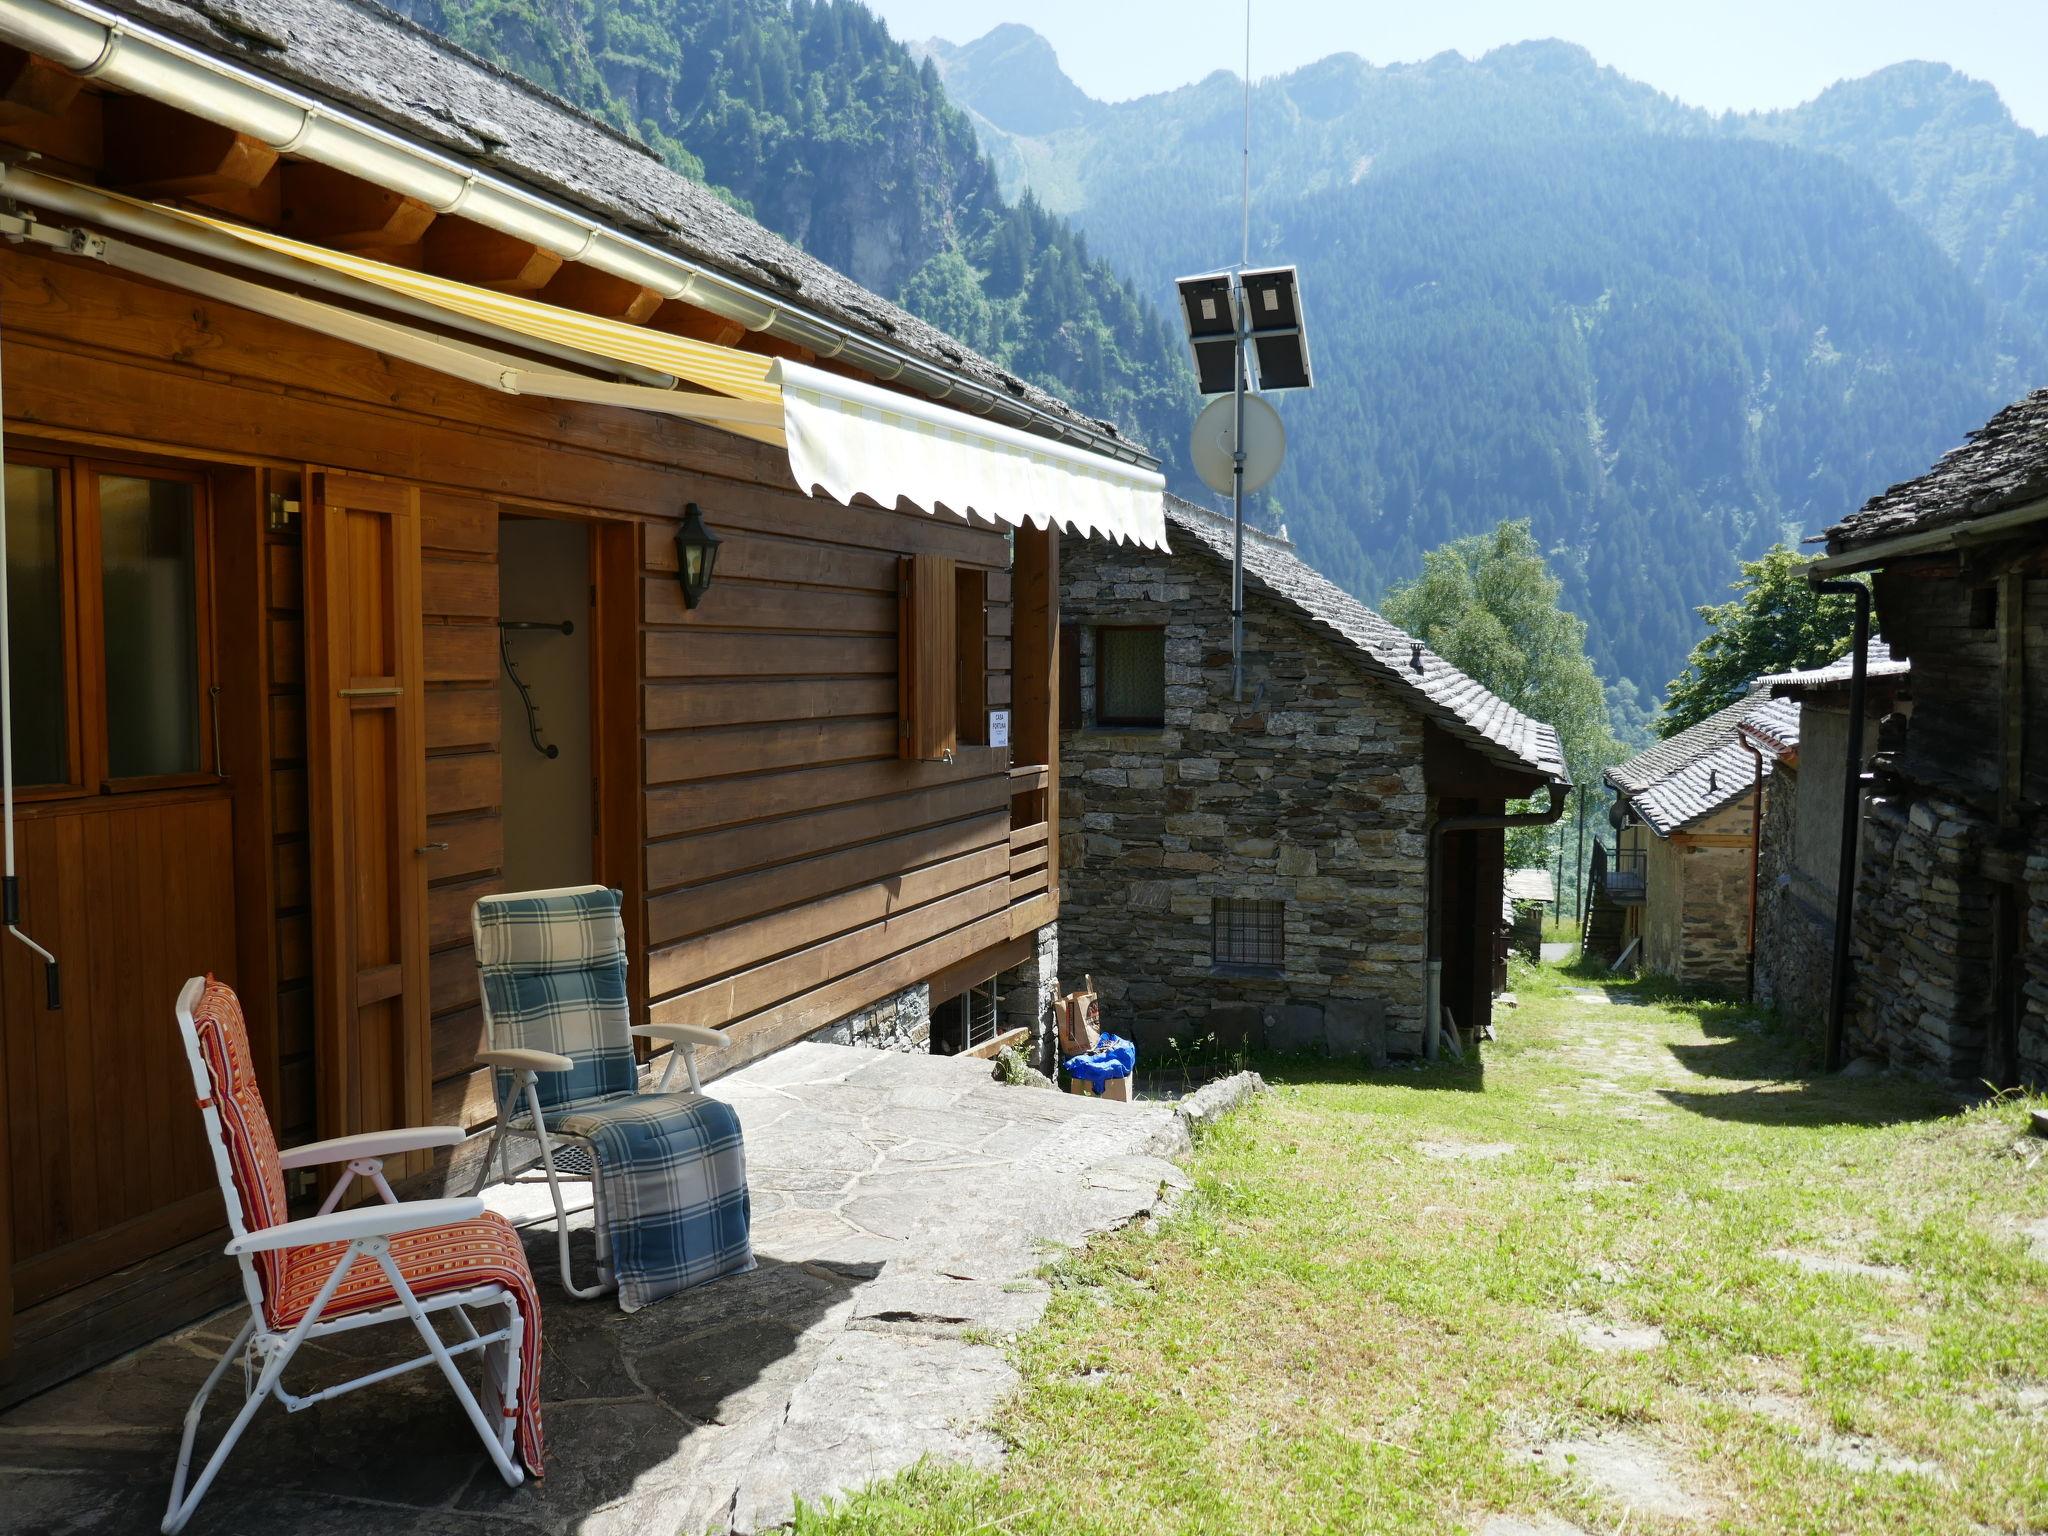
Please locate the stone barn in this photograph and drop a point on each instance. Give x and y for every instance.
(1801, 842)
(1684, 861)
(1950, 923)
(1258, 870)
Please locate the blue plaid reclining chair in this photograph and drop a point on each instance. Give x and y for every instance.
(668, 1171)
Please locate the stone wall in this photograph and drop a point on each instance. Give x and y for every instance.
(1028, 991)
(1795, 920)
(899, 1022)
(1310, 793)
(1696, 911)
(1924, 986)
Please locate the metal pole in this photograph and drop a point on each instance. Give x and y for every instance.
(1579, 864)
(1241, 318)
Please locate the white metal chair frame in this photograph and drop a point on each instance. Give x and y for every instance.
(367, 1230)
(524, 1067)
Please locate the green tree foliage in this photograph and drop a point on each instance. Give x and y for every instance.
(1778, 623)
(808, 115)
(1489, 605)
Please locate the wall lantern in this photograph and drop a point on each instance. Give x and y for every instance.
(696, 555)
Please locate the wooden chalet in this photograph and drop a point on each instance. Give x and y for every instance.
(1949, 924)
(345, 377)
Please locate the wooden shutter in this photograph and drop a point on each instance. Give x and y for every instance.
(927, 655)
(1070, 677)
(366, 752)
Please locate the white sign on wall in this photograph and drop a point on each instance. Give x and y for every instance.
(999, 727)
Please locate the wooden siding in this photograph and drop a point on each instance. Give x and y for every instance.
(792, 869)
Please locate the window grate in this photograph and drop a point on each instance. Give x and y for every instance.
(1130, 668)
(1248, 932)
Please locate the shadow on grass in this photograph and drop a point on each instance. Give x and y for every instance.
(1821, 1101)
(1447, 1075)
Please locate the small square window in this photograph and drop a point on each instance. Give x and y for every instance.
(1130, 676)
(1252, 933)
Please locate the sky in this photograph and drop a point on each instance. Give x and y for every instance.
(1739, 54)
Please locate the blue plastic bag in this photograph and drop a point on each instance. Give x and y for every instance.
(1113, 1057)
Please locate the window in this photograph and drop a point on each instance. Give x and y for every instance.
(1248, 933)
(106, 589)
(1130, 676)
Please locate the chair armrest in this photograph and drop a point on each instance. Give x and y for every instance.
(683, 1034)
(362, 1221)
(342, 1149)
(518, 1059)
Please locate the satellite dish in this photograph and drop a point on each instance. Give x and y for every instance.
(1215, 441)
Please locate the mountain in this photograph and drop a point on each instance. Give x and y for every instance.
(1537, 288)
(811, 117)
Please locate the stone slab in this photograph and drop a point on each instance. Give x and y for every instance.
(907, 1204)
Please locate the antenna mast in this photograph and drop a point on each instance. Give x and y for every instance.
(1237, 434)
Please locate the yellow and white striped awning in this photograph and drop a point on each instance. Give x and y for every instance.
(844, 437)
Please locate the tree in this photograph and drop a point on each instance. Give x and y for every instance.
(1489, 605)
(1777, 624)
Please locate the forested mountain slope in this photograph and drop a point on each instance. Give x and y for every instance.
(808, 114)
(1539, 289)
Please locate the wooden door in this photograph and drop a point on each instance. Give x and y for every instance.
(366, 761)
(124, 828)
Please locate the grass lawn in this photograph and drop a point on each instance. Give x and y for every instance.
(1560, 930)
(1637, 1241)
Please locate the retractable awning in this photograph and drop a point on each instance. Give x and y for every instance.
(844, 437)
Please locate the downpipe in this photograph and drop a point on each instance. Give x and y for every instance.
(1442, 827)
(1852, 805)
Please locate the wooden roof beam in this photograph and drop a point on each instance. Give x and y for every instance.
(33, 86)
(323, 206)
(455, 248)
(592, 292)
(683, 319)
(157, 151)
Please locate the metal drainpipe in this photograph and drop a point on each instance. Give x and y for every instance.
(1443, 826)
(1756, 844)
(1852, 803)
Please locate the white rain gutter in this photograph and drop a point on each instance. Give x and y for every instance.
(104, 45)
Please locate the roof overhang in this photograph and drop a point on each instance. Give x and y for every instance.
(1934, 541)
(843, 436)
(122, 52)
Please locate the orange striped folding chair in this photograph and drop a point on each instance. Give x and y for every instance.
(340, 1270)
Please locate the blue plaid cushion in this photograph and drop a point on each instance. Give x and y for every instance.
(675, 1189)
(554, 977)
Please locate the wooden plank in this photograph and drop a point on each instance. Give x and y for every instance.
(463, 781)
(461, 524)
(454, 981)
(754, 605)
(747, 556)
(978, 967)
(461, 653)
(752, 944)
(698, 908)
(283, 592)
(476, 846)
(457, 1037)
(287, 652)
(751, 991)
(764, 507)
(449, 907)
(1032, 915)
(674, 757)
(988, 1050)
(676, 809)
(459, 589)
(685, 705)
(714, 855)
(729, 653)
(462, 716)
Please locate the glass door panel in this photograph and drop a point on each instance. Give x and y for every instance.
(38, 674)
(149, 573)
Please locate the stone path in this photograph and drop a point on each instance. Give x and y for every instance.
(903, 1205)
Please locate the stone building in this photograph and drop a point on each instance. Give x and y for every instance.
(1800, 851)
(1950, 924)
(1258, 870)
(1685, 819)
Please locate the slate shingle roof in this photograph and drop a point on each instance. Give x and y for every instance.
(382, 66)
(1774, 726)
(1438, 690)
(2003, 464)
(1703, 768)
(1838, 673)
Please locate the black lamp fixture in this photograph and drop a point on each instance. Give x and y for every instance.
(696, 555)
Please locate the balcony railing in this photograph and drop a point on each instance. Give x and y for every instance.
(1627, 878)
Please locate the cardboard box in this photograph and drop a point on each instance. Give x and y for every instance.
(1117, 1089)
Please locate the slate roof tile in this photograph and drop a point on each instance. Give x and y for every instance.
(1440, 692)
(2002, 464)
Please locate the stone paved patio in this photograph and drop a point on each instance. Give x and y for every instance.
(902, 1205)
